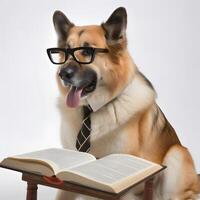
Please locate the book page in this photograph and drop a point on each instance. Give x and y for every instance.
(55, 158)
(113, 170)
(33, 167)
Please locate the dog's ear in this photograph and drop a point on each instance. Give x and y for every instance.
(61, 24)
(115, 26)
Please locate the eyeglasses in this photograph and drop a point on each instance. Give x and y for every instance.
(82, 55)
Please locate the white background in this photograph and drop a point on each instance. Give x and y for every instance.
(163, 40)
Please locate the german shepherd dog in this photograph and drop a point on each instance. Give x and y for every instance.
(125, 117)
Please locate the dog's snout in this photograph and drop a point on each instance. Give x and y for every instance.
(68, 72)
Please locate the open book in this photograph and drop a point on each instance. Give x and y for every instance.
(112, 173)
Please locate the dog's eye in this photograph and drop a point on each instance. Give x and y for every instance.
(86, 52)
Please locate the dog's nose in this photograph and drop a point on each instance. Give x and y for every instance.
(68, 72)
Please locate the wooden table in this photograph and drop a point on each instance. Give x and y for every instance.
(33, 180)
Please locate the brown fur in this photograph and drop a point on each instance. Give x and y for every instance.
(149, 133)
(118, 76)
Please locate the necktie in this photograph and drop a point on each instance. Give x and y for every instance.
(83, 137)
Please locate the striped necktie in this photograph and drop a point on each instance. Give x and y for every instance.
(83, 137)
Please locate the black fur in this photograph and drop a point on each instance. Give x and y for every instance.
(115, 26)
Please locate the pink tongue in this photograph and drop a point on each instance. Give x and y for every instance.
(73, 97)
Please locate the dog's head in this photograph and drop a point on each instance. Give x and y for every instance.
(92, 56)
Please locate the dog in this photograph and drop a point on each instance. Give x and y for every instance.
(125, 117)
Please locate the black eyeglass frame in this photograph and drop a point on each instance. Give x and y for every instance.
(71, 51)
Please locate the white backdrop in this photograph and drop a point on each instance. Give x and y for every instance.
(164, 42)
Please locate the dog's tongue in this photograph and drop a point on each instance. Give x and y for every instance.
(73, 97)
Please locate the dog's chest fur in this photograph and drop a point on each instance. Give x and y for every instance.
(114, 126)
